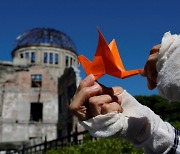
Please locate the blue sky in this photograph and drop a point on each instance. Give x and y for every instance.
(136, 25)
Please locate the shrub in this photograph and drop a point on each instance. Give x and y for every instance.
(102, 146)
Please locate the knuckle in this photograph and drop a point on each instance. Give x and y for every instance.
(105, 107)
(72, 107)
(85, 92)
(118, 90)
(93, 101)
(81, 85)
(155, 49)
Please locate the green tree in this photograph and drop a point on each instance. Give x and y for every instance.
(168, 111)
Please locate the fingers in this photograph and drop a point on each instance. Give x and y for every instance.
(90, 96)
(150, 70)
(111, 107)
(155, 49)
(96, 103)
(117, 90)
(150, 65)
(87, 89)
(114, 91)
(151, 84)
(78, 105)
(87, 82)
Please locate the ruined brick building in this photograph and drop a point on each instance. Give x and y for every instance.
(36, 88)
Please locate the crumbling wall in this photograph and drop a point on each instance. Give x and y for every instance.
(16, 98)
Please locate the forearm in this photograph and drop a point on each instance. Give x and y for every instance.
(137, 124)
(168, 67)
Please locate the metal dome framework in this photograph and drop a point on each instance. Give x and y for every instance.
(44, 37)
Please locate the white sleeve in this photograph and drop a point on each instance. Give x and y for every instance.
(175, 148)
(168, 67)
(137, 123)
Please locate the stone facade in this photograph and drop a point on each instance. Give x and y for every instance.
(35, 91)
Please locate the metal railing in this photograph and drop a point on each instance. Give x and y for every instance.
(42, 148)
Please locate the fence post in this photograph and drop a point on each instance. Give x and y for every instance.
(23, 148)
(56, 143)
(75, 136)
(45, 145)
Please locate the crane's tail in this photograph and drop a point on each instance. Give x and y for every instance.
(129, 73)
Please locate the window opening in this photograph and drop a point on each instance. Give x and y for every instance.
(71, 61)
(36, 80)
(51, 58)
(27, 55)
(67, 61)
(45, 58)
(33, 57)
(36, 112)
(56, 58)
(21, 55)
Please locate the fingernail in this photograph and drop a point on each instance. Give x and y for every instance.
(89, 78)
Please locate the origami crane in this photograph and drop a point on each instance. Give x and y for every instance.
(106, 61)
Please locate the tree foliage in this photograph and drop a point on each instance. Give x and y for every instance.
(168, 111)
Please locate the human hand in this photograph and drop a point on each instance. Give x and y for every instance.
(137, 123)
(91, 97)
(107, 102)
(150, 71)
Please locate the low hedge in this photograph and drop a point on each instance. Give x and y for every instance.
(103, 146)
(100, 146)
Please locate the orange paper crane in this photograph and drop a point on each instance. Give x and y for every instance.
(106, 61)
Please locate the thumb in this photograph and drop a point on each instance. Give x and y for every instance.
(87, 82)
(144, 73)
